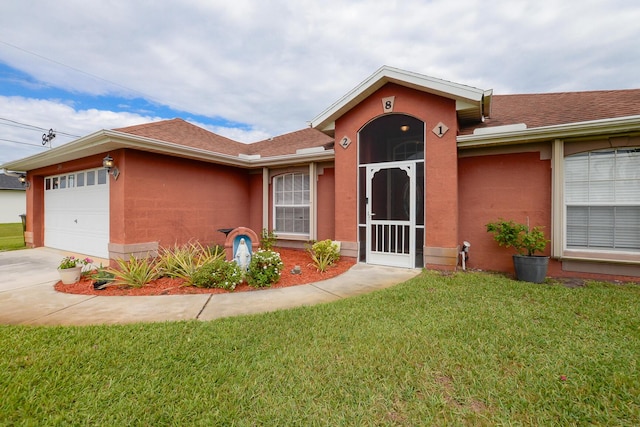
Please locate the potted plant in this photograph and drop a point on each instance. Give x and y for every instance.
(70, 269)
(526, 241)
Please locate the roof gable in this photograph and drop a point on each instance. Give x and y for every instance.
(471, 103)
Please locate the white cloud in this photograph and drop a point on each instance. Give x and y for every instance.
(18, 141)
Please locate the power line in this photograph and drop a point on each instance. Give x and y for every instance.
(144, 95)
(26, 126)
(70, 67)
(22, 143)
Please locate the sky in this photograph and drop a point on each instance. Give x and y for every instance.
(250, 69)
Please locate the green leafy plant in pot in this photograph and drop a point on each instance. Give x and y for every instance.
(526, 241)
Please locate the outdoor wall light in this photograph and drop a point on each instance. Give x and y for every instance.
(23, 180)
(404, 128)
(110, 166)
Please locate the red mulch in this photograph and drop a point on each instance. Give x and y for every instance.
(166, 286)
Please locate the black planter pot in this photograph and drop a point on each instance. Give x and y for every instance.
(531, 268)
(100, 284)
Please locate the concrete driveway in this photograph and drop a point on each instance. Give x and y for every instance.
(27, 295)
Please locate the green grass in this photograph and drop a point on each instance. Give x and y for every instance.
(11, 237)
(466, 349)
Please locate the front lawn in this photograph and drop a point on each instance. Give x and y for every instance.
(11, 237)
(466, 349)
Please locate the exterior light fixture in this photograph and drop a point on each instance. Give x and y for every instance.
(110, 166)
(404, 128)
(23, 180)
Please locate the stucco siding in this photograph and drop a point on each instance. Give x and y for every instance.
(510, 186)
(172, 201)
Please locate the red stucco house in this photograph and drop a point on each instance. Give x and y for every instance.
(401, 170)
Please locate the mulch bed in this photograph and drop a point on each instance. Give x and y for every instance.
(167, 286)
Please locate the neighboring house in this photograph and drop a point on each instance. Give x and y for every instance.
(401, 170)
(13, 201)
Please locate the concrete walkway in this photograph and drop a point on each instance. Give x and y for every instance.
(27, 296)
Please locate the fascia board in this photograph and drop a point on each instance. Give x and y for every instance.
(162, 147)
(107, 140)
(292, 159)
(565, 131)
(64, 153)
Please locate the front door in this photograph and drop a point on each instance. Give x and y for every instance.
(390, 195)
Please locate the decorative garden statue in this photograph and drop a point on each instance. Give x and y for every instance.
(243, 256)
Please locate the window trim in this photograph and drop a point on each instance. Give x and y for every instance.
(308, 205)
(559, 249)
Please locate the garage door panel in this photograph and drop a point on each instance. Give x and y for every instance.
(77, 218)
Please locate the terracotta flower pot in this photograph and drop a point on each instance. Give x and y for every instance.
(70, 275)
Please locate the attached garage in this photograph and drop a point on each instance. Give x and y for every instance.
(77, 212)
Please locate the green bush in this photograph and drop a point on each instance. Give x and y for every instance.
(323, 254)
(525, 240)
(267, 239)
(218, 274)
(184, 261)
(136, 272)
(265, 268)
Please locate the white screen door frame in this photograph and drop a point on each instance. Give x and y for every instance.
(391, 214)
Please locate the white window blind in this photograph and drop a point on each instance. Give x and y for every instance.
(602, 198)
(291, 203)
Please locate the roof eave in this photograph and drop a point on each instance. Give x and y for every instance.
(109, 140)
(621, 125)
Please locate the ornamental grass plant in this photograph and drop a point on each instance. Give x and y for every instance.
(324, 253)
(184, 261)
(136, 272)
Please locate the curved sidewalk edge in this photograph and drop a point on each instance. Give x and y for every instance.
(27, 296)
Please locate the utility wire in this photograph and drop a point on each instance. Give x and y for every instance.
(71, 67)
(144, 95)
(23, 143)
(26, 126)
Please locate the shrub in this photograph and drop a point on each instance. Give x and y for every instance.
(265, 268)
(136, 272)
(524, 240)
(323, 254)
(218, 274)
(267, 239)
(184, 261)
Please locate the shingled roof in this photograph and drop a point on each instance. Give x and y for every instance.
(179, 131)
(8, 182)
(289, 143)
(548, 109)
(184, 133)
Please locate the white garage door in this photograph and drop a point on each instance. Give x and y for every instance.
(76, 212)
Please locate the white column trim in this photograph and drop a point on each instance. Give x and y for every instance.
(313, 201)
(265, 198)
(557, 198)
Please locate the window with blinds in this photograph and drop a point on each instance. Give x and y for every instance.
(291, 203)
(602, 198)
